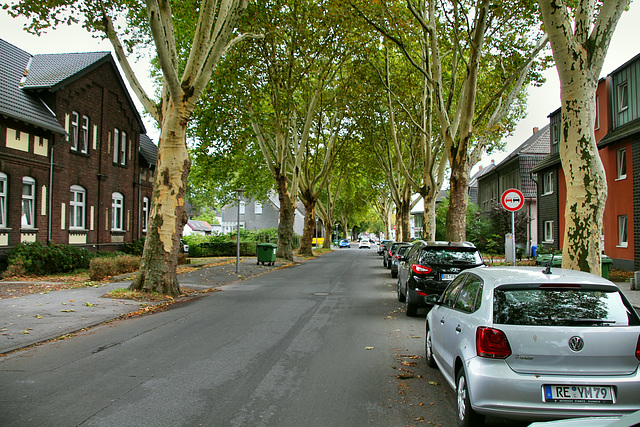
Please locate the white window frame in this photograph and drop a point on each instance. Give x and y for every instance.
(597, 112)
(27, 220)
(145, 213)
(258, 206)
(3, 199)
(116, 144)
(623, 96)
(73, 130)
(621, 163)
(117, 212)
(548, 231)
(77, 208)
(623, 231)
(242, 208)
(123, 148)
(547, 183)
(84, 135)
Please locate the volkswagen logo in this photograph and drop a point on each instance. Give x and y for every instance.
(576, 343)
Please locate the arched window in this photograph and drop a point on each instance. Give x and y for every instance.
(78, 205)
(28, 202)
(117, 212)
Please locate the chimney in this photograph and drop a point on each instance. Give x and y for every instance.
(480, 168)
(535, 130)
(493, 162)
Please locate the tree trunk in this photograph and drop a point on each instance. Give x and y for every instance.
(306, 243)
(584, 175)
(429, 222)
(286, 219)
(458, 197)
(168, 216)
(402, 219)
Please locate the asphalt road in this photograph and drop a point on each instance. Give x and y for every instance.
(323, 343)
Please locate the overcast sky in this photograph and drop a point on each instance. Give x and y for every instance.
(542, 101)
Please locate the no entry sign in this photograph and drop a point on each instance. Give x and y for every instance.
(512, 199)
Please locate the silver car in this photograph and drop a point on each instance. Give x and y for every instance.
(534, 344)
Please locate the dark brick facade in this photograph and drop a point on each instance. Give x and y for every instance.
(101, 97)
(635, 156)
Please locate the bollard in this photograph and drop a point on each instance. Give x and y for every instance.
(636, 278)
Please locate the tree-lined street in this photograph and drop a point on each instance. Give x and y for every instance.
(321, 343)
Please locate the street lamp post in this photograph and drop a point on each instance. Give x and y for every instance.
(238, 194)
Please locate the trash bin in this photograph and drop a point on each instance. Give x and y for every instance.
(266, 253)
(606, 266)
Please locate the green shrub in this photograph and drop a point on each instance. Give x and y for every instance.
(37, 258)
(101, 268)
(134, 248)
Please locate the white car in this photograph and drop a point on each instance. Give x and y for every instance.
(534, 344)
(364, 244)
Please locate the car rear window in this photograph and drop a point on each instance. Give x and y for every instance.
(561, 307)
(450, 256)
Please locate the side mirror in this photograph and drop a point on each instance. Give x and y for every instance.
(432, 299)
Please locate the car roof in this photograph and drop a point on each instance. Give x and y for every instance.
(443, 243)
(526, 275)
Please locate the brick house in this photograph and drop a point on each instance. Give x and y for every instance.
(75, 164)
(514, 171)
(617, 132)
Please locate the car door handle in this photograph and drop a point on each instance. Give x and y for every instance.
(442, 321)
(458, 328)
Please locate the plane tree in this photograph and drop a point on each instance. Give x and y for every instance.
(580, 33)
(207, 29)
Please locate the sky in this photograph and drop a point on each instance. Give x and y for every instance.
(542, 101)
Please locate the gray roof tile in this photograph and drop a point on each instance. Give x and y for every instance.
(52, 70)
(148, 149)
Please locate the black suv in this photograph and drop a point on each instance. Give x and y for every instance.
(429, 267)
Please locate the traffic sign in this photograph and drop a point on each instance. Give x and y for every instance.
(512, 200)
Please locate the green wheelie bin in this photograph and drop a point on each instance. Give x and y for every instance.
(266, 253)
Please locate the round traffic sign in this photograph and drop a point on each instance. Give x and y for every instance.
(512, 200)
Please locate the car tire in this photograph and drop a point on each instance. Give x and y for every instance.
(465, 415)
(394, 273)
(428, 350)
(410, 308)
(401, 297)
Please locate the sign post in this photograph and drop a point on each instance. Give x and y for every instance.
(513, 200)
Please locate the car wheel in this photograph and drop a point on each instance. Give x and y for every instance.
(410, 308)
(467, 417)
(400, 294)
(384, 262)
(394, 273)
(428, 350)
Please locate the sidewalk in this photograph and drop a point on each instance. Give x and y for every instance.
(40, 317)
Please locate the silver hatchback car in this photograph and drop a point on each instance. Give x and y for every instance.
(534, 344)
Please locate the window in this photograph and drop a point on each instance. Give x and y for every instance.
(84, 136)
(28, 202)
(117, 212)
(547, 183)
(145, 213)
(242, 208)
(123, 148)
(3, 200)
(73, 131)
(623, 96)
(258, 208)
(116, 145)
(78, 207)
(468, 294)
(622, 163)
(119, 147)
(548, 231)
(622, 231)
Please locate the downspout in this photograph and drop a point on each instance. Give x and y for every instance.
(50, 195)
(536, 182)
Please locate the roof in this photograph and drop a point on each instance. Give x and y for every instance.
(148, 149)
(23, 75)
(17, 103)
(550, 160)
(624, 131)
(199, 225)
(538, 144)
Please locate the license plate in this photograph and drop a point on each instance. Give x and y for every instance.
(448, 276)
(578, 394)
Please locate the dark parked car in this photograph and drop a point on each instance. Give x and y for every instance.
(429, 267)
(386, 256)
(401, 251)
(381, 246)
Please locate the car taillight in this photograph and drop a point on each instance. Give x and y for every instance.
(390, 253)
(493, 343)
(638, 349)
(421, 269)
